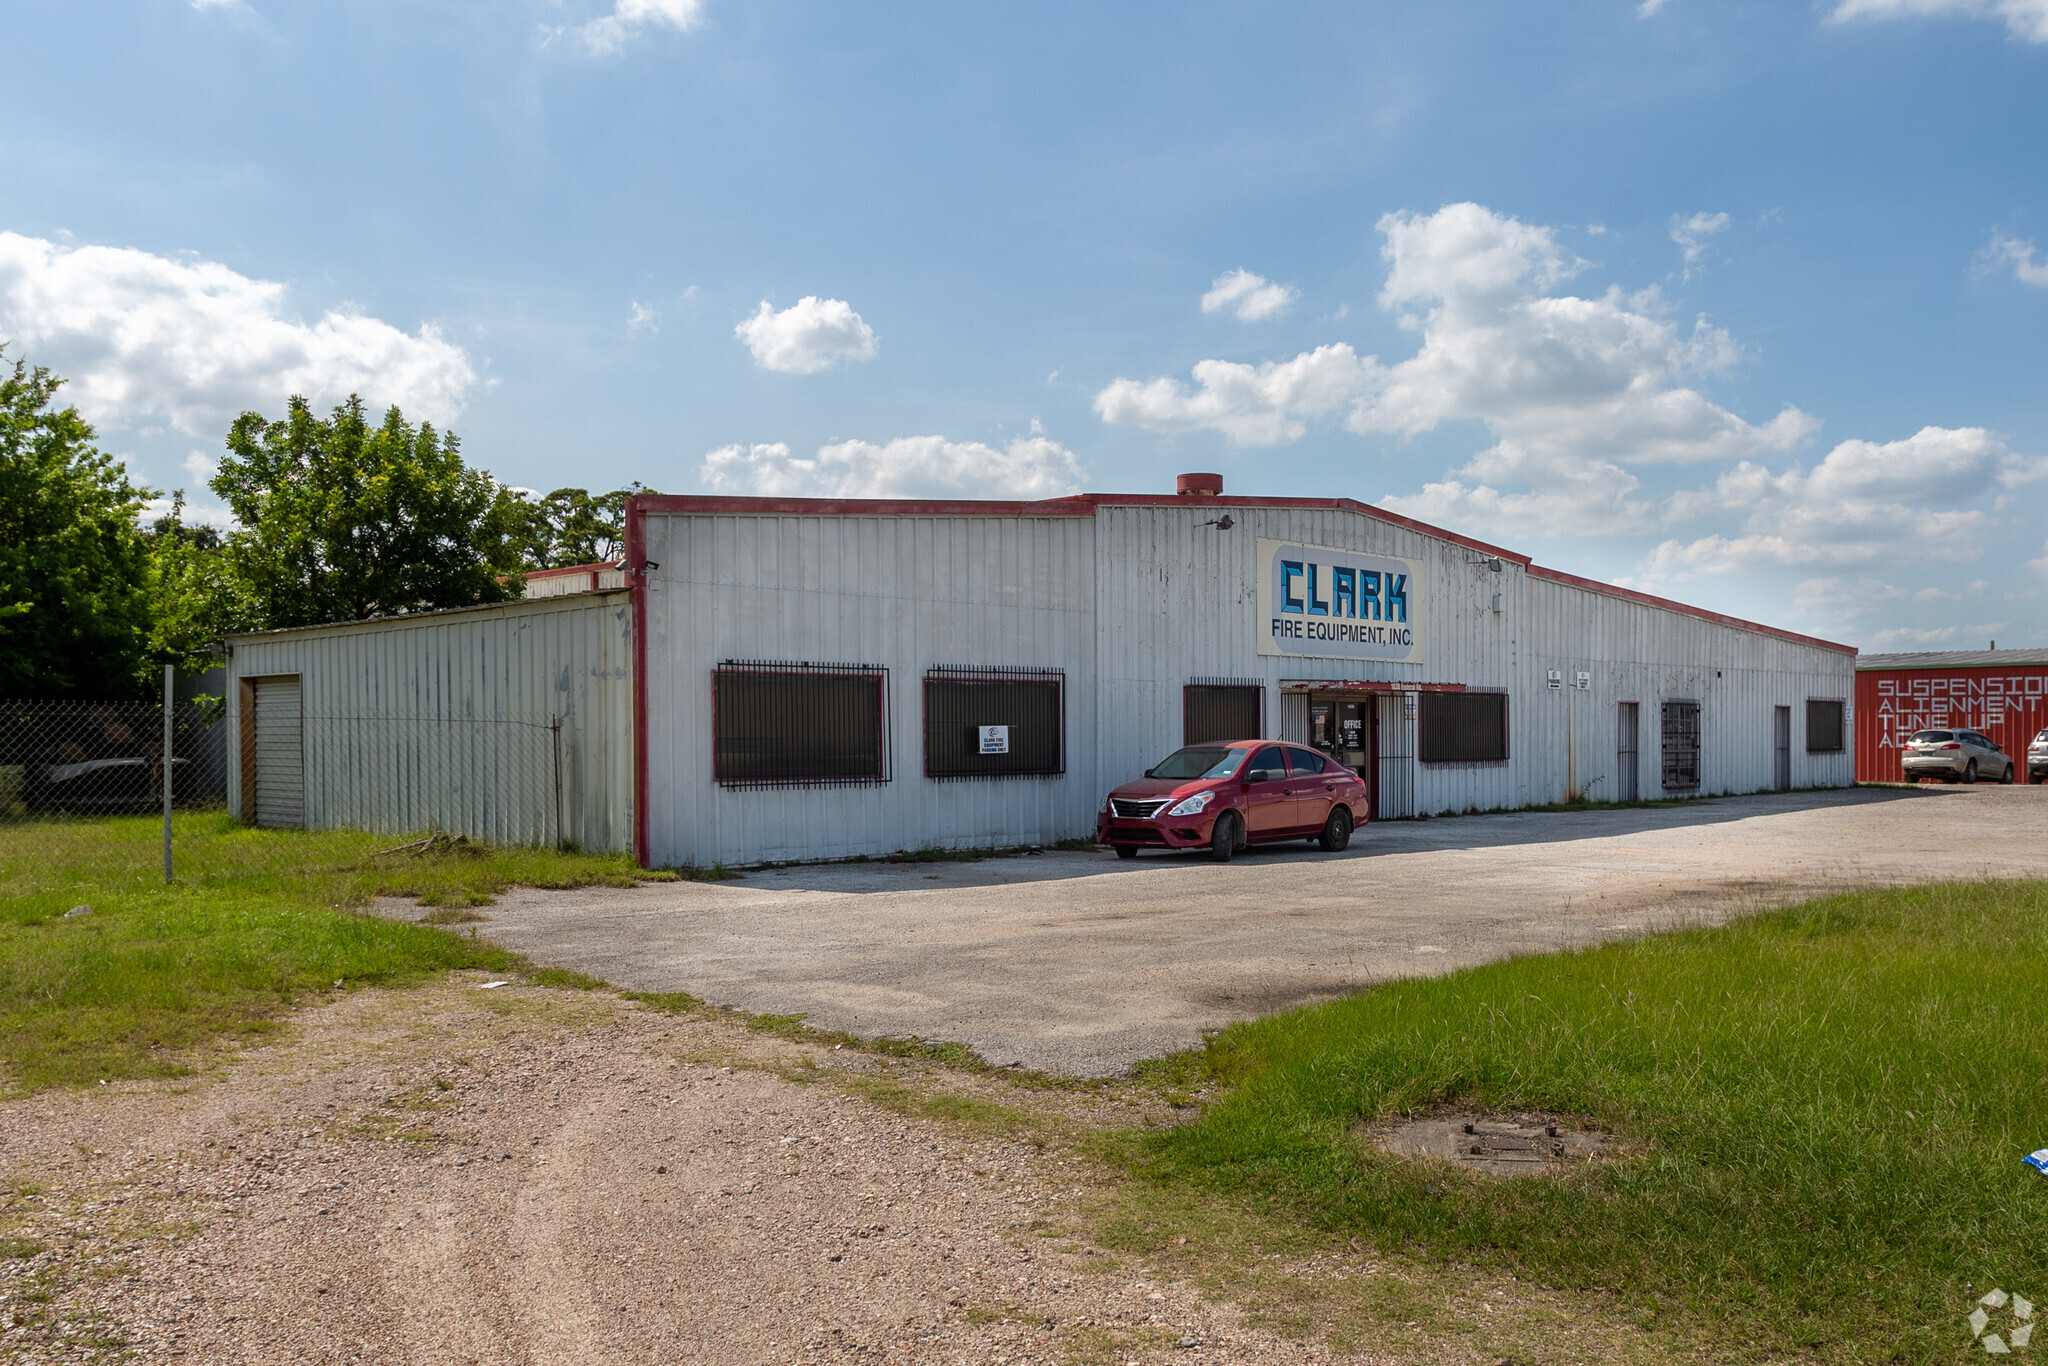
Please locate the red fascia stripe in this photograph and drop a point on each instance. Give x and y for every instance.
(1651, 600)
(598, 568)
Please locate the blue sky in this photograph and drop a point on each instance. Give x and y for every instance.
(1735, 302)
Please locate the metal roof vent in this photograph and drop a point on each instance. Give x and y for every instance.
(1198, 485)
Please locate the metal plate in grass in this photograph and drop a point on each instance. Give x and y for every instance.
(1521, 1144)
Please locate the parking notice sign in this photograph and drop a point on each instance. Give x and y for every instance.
(994, 739)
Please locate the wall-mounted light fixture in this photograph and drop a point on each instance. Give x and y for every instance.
(1223, 523)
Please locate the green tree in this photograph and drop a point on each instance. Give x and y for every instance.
(570, 526)
(74, 565)
(196, 599)
(341, 520)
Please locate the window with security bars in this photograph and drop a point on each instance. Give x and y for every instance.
(1824, 729)
(1221, 711)
(1462, 727)
(1681, 746)
(799, 724)
(994, 723)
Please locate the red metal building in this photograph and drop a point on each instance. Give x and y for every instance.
(2002, 693)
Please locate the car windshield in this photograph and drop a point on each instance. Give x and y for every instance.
(1200, 761)
(1934, 737)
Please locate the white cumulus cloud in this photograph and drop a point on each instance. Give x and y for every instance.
(2010, 251)
(1554, 377)
(1691, 234)
(1253, 405)
(910, 467)
(1866, 502)
(629, 18)
(2026, 19)
(643, 318)
(1251, 297)
(142, 337)
(810, 335)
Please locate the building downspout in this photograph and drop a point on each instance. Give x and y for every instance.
(636, 579)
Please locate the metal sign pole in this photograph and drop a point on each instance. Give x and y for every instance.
(170, 673)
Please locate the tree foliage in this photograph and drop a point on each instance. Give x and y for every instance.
(573, 526)
(74, 601)
(341, 520)
(196, 599)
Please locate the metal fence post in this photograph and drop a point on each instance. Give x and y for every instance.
(555, 725)
(170, 674)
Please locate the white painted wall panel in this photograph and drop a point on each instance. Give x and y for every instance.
(908, 593)
(441, 720)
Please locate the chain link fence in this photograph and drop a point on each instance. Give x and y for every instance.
(498, 780)
(64, 759)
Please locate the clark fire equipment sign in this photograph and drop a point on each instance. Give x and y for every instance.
(1338, 604)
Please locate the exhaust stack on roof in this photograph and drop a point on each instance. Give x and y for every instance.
(1198, 485)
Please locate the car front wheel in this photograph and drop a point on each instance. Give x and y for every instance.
(1224, 840)
(2007, 778)
(1336, 831)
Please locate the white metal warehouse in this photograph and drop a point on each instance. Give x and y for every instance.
(815, 679)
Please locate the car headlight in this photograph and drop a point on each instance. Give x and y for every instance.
(1194, 806)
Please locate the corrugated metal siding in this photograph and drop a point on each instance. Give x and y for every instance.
(909, 593)
(442, 720)
(1178, 599)
(2008, 703)
(280, 767)
(1638, 653)
(1133, 603)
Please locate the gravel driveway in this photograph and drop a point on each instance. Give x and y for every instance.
(1080, 964)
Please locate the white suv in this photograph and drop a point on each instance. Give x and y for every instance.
(1955, 756)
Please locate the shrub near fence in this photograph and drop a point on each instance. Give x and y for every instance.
(67, 758)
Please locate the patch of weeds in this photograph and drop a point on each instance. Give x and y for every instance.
(1097, 1345)
(567, 978)
(453, 915)
(16, 1248)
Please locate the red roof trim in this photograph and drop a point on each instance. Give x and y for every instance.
(1651, 600)
(858, 507)
(599, 567)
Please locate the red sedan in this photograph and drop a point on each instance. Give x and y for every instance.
(1231, 794)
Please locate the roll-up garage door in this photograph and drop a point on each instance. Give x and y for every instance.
(280, 755)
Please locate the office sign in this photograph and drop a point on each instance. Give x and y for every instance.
(1338, 604)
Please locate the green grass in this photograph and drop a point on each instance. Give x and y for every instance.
(1823, 1112)
(256, 919)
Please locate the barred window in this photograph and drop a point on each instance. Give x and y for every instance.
(1463, 727)
(1221, 709)
(994, 723)
(1681, 746)
(1823, 726)
(780, 723)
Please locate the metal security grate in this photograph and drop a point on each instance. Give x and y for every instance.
(1025, 708)
(1681, 746)
(780, 723)
(1464, 727)
(1824, 727)
(1219, 709)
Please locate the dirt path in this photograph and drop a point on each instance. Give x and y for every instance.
(451, 1175)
